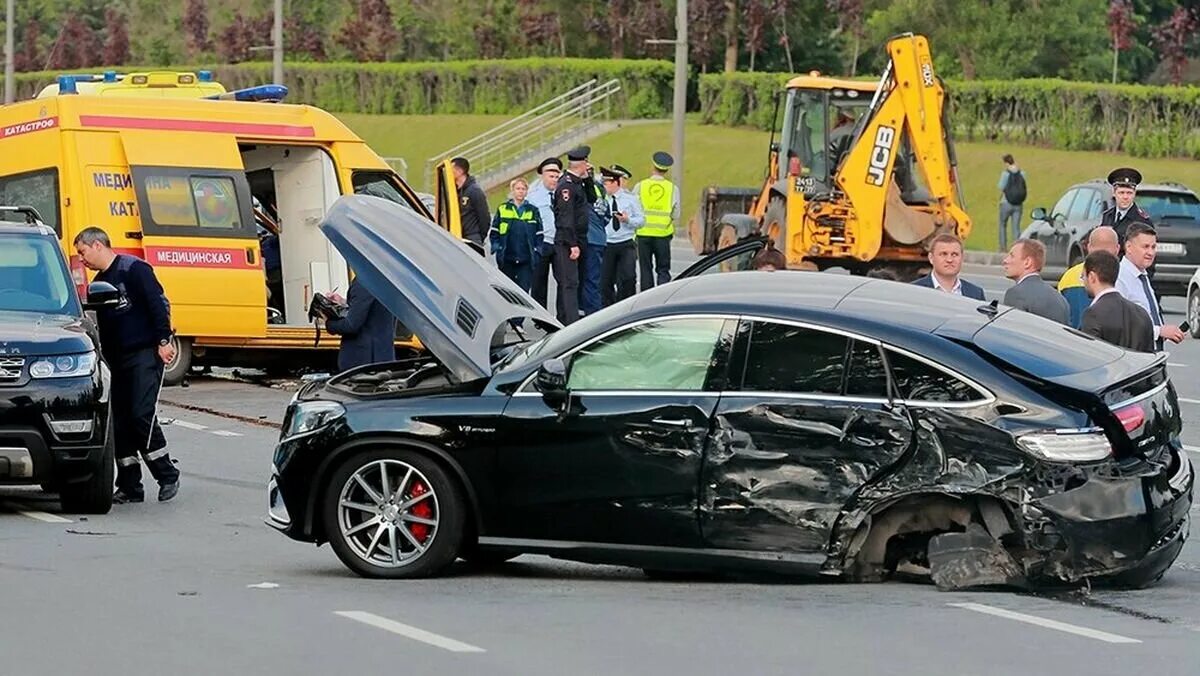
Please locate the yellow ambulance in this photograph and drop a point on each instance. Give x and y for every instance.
(201, 183)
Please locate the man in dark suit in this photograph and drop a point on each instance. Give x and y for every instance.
(1031, 293)
(367, 329)
(1110, 317)
(946, 257)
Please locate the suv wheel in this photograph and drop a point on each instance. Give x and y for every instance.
(93, 496)
(394, 513)
(1193, 311)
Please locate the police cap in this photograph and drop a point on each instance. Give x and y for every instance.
(662, 161)
(610, 173)
(579, 154)
(550, 162)
(1125, 177)
(622, 171)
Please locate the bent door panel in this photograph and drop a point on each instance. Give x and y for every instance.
(193, 202)
(620, 462)
(799, 440)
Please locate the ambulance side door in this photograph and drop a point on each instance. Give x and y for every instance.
(447, 203)
(199, 232)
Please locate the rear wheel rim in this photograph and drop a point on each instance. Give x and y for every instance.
(1193, 310)
(388, 513)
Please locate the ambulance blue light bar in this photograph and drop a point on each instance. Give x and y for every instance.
(66, 83)
(205, 76)
(272, 93)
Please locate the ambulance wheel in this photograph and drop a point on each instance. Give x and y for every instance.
(177, 369)
(93, 496)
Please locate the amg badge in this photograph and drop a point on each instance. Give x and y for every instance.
(881, 155)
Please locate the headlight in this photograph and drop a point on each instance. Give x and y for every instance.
(1063, 446)
(310, 416)
(64, 366)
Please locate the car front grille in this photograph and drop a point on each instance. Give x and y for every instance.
(11, 368)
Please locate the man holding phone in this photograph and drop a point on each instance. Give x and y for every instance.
(618, 280)
(1133, 280)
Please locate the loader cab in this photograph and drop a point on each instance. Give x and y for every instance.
(820, 116)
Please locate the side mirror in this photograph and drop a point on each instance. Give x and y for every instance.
(1038, 214)
(551, 379)
(774, 147)
(101, 295)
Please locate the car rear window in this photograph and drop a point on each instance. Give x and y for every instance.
(1043, 348)
(1163, 205)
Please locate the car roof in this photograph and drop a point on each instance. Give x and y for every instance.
(1165, 186)
(14, 228)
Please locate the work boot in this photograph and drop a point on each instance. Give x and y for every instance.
(121, 497)
(168, 491)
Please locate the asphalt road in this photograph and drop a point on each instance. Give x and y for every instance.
(200, 586)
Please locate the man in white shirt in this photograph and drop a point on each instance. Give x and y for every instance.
(1133, 283)
(946, 259)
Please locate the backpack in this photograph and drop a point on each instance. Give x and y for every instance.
(1014, 189)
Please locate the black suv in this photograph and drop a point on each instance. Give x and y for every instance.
(55, 425)
(1174, 211)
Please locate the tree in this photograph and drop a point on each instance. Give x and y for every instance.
(236, 40)
(754, 26)
(116, 42)
(851, 22)
(705, 17)
(302, 39)
(29, 55)
(195, 28)
(1120, 27)
(732, 19)
(370, 33)
(1174, 39)
(77, 45)
(779, 11)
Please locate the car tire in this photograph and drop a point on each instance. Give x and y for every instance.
(1193, 311)
(94, 496)
(176, 371)
(369, 550)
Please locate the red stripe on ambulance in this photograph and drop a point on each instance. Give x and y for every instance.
(241, 128)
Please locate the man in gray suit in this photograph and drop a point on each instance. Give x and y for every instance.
(1031, 293)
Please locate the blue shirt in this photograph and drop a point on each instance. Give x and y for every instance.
(539, 196)
(631, 206)
(599, 219)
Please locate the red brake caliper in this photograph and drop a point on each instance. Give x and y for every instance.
(422, 509)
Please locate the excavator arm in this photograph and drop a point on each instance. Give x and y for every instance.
(906, 126)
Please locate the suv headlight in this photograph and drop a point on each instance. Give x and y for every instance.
(310, 416)
(63, 366)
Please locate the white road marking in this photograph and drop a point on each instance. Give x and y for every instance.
(409, 632)
(190, 425)
(34, 514)
(263, 585)
(1182, 366)
(226, 433)
(1189, 401)
(1047, 624)
(1191, 449)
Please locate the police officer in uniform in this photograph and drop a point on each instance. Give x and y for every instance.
(1124, 182)
(571, 213)
(619, 280)
(135, 338)
(660, 202)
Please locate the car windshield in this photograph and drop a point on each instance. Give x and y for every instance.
(33, 276)
(1163, 205)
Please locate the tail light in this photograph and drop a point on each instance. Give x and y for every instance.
(79, 276)
(1067, 445)
(1132, 417)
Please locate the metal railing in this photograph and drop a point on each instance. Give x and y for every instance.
(529, 135)
(399, 165)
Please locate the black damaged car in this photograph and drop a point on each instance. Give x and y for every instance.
(774, 421)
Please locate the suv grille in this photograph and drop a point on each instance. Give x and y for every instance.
(11, 368)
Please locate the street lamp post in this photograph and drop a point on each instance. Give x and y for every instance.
(277, 41)
(10, 85)
(680, 100)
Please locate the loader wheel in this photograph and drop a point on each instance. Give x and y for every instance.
(775, 222)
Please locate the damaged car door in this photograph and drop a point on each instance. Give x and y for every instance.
(810, 424)
(617, 458)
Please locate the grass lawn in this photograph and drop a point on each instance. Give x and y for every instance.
(737, 158)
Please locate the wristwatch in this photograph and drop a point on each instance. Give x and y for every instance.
(164, 342)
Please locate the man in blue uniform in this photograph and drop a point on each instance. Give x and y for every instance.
(540, 196)
(619, 280)
(571, 213)
(592, 266)
(367, 329)
(135, 339)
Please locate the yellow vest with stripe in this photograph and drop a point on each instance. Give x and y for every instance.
(508, 213)
(657, 206)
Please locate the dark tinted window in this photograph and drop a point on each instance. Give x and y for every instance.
(380, 184)
(792, 359)
(1162, 205)
(673, 355)
(918, 381)
(1083, 200)
(34, 277)
(867, 374)
(1064, 204)
(37, 189)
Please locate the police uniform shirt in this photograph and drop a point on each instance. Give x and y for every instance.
(540, 197)
(571, 209)
(628, 204)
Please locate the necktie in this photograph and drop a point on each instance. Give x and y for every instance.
(1120, 216)
(1157, 318)
(615, 222)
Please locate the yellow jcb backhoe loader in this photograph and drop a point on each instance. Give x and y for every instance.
(862, 178)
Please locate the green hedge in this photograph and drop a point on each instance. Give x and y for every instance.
(1140, 120)
(479, 87)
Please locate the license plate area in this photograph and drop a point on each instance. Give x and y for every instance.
(1172, 248)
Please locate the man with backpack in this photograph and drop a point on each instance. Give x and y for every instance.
(1012, 197)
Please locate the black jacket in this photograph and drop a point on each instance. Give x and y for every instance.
(1121, 322)
(1135, 213)
(144, 317)
(571, 210)
(969, 290)
(476, 217)
(368, 330)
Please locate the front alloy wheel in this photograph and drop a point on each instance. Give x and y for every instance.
(394, 514)
(1193, 312)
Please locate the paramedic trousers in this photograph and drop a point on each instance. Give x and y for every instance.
(136, 381)
(619, 279)
(654, 254)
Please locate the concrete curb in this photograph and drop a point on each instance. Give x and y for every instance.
(983, 257)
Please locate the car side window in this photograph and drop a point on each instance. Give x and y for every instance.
(737, 263)
(867, 374)
(917, 381)
(672, 354)
(1079, 208)
(1095, 206)
(1064, 204)
(793, 359)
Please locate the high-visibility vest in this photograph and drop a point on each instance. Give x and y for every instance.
(657, 196)
(509, 213)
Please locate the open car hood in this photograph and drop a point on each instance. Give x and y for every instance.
(449, 296)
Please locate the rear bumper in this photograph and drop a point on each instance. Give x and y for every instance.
(1171, 279)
